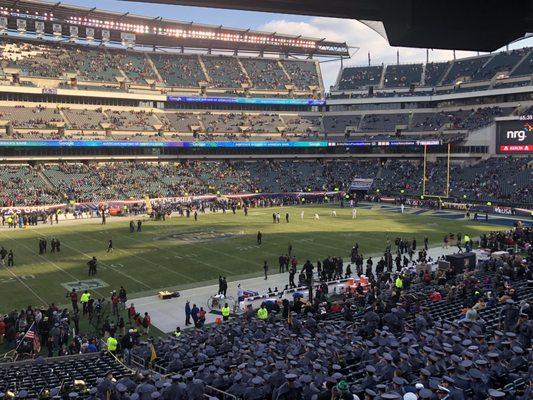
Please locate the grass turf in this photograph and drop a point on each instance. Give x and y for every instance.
(180, 253)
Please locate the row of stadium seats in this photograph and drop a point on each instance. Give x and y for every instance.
(461, 119)
(48, 60)
(495, 179)
(514, 63)
(96, 123)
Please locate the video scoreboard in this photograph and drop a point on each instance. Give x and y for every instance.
(515, 136)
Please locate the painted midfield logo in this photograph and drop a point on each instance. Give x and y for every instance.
(84, 285)
(199, 236)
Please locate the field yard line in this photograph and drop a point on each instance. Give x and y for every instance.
(110, 268)
(88, 256)
(202, 248)
(49, 261)
(268, 253)
(143, 259)
(247, 261)
(27, 287)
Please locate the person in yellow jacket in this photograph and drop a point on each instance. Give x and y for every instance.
(84, 300)
(112, 344)
(225, 312)
(399, 282)
(262, 313)
(177, 332)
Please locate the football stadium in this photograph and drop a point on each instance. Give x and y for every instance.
(192, 211)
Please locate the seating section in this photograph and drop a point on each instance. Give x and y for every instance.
(95, 182)
(40, 122)
(359, 77)
(501, 62)
(55, 60)
(179, 122)
(465, 323)
(182, 71)
(37, 60)
(30, 117)
(95, 65)
(36, 379)
(135, 66)
(266, 73)
(505, 180)
(383, 122)
(403, 75)
(434, 73)
(503, 65)
(339, 124)
(265, 123)
(525, 67)
(23, 186)
(302, 124)
(302, 73)
(132, 120)
(224, 123)
(494, 179)
(465, 68)
(483, 116)
(85, 119)
(225, 72)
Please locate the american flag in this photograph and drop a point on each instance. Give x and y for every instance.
(31, 334)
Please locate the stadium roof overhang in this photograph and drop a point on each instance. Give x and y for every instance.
(161, 32)
(480, 25)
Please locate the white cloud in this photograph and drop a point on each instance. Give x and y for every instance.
(356, 34)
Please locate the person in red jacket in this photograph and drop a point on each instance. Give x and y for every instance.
(147, 321)
(426, 277)
(131, 313)
(74, 300)
(435, 296)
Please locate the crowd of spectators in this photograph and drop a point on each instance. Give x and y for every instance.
(403, 75)
(463, 331)
(505, 180)
(357, 77)
(158, 125)
(514, 63)
(183, 70)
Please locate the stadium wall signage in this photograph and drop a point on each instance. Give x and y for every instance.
(240, 144)
(514, 136)
(248, 100)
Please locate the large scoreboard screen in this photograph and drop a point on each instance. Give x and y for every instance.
(515, 136)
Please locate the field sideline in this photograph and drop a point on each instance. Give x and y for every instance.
(181, 253)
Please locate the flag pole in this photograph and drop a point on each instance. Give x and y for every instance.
(24, 337)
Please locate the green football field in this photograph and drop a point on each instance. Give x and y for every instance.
(181, 253)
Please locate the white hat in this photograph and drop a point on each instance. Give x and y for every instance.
(410, 396)
(419, 386)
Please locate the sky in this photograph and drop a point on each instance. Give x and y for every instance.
(354, 33)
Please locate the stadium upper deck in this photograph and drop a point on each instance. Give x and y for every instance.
(497, 70)
(73, 91)
(161, 71)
